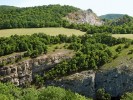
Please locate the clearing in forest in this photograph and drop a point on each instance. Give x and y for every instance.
(48, 31)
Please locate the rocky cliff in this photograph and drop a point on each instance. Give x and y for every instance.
(115, 81)
(82, 17)
(23, 72)
(83, 83)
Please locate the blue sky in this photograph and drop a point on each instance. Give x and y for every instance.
(100, 7)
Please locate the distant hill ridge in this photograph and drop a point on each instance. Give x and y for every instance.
(111, 16)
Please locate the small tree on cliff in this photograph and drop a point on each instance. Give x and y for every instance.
(102, 95)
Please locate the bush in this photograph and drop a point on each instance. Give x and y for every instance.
(127, 45)
(127, 96)
(130, 51)
(102, 95)
(10, 92)
(118, 49)
(56, 93)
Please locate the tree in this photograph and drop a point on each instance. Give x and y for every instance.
(102, 95)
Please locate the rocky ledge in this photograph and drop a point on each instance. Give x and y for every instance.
(23, 72)
(115, 81)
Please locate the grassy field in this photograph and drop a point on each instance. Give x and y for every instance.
(130, 36)
(49, 31)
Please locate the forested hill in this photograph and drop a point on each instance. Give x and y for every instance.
(39, 16)
(111, 16)
(4, 8)
(125, 20)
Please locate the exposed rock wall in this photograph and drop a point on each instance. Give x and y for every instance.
(82, 17)
(83, 83)
(115, 81)
(23, 72)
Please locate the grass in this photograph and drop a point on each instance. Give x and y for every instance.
(49, 31)
(122, 59)
(60, 48)
(129, 36)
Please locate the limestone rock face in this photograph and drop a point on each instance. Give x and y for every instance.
(23, 72)
(83, 83)
(82, 17)
(115, 81)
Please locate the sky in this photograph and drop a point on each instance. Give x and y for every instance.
(100, 7)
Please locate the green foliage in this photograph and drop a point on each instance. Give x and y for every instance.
(102, 95)
(56, 93)
(91, 53)
(39, 81)
(130, 51)
(127, 96)
(34, 17)
(11, 92)
(33, 45)
(111, 16)
(119, 49)
(127, 45)
(29, 94)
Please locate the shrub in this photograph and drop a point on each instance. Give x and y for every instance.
(127, 45)
(130, 51)
(102, 95)
(118, 49)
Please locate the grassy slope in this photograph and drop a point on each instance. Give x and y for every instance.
(49, 31)
(130, 36)
(123, 57)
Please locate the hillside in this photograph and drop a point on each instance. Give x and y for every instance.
(45, 16)
(111, 16)
(4, 8)
(40, 16)
(125, 20)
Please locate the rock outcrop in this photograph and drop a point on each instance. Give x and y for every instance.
(23, 72)
(82, 17)
(115, 81)
(83, 83)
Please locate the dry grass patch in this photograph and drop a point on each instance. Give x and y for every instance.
(48, 31)
(129, 36)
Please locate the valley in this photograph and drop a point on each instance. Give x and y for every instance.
(55, 52)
